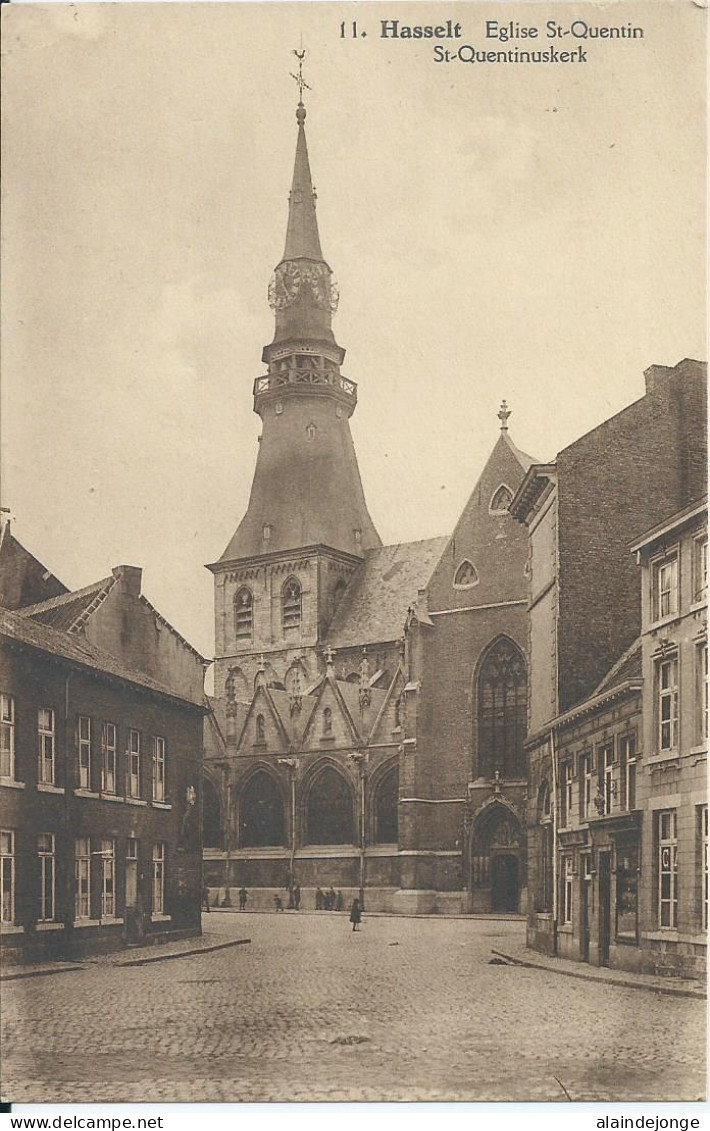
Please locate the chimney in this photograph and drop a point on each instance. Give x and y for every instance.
(654, 375)
(130, 576)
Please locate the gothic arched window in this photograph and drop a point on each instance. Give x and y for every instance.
(291, 604)
(501, 500)
(502, 711)
(211, 816)
(330, 812)
(261, 812)
(466, 575)
(243, 614)
(327, 722)
(385, 829)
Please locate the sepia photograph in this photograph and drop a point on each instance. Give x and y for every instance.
(353, 553)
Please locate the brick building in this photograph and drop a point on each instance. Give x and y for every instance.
(389, 680)
(588, 694)
(673, 913)
(101, 715)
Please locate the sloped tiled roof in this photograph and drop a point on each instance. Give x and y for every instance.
(374, 606)
(76, 649)
(627, 667)
(68, 611)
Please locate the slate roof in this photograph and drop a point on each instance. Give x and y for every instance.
(374, 606)
(78, 650)
(627, 667)
(67, 612)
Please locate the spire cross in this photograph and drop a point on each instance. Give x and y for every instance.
(299, 79)
(503, 415)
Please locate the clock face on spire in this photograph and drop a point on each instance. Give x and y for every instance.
(284, 286)
(289, 277)
(324, 287)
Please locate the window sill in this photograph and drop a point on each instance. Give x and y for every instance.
(49, 925)
(97, 923)
(10, 783)
(47, 787)
(106, 796)
(81, 792)
(664, 622)
(666, 756)
(11, 929)
(161, 804)
(160, 917)
(136, 801)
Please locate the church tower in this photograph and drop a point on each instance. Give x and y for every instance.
(307, 526)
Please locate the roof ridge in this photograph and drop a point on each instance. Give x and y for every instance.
(77, 649)
(615, 667)
(64, 598)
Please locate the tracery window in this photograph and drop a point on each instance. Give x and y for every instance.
(327, 722)
(291, 597)
(261, 813)
(330, 812)
(260, 729)
(243, 614)
(502, 711)
(501, 500)
(466, 575)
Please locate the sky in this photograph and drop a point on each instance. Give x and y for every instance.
(534, 233)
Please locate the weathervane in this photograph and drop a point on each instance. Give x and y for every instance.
(299, 79)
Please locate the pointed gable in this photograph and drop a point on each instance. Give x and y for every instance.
(263, 730)
(485, 557)
(387, 726)
(24, 580)
(331, 724)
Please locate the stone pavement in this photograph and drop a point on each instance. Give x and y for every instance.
(405, 1009)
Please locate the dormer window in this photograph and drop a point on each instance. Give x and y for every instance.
(291, 597)
(327, 722)
(243, 614)
(501, 499)
(466, 575)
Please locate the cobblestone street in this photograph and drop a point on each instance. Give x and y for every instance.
(406, 1009)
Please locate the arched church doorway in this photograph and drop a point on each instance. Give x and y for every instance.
(496, 860)
(505, 890)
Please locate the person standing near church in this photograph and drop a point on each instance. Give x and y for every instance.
(243, 895)
(355, 914)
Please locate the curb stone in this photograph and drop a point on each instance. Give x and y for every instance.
(672, 991)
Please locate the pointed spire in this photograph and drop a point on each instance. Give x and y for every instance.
(302, 239)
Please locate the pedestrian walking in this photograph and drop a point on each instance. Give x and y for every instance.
(355, 914)
(339, 900)
(331, 898)
(205, 898)
(279, 903)
(297, 896)
(319, 899)
(243, 896)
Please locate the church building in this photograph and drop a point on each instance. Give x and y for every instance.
(370, 701)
